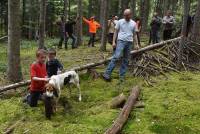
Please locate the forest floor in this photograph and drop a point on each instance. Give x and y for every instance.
(172, 106)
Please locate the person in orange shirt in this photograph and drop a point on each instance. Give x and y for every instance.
(93, 26)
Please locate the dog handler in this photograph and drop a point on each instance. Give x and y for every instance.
(38, 78)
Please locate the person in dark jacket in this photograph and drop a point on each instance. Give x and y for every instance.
(53, 65)
(62, 32)
(155, 27)
(69, 28)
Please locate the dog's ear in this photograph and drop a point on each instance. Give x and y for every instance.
(67, 79)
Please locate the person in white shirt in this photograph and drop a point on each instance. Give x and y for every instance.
(168, 22)
(124, 34)
(111, 29)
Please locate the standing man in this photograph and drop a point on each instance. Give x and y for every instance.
(138, 30)
(69, 28)
(155, 27)
(168, 22)
(111, 29)
(63, 35)
(93, 26)
(124, 34)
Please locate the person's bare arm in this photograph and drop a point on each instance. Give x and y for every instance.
(40, 79)
(115, 38)
(136, 40)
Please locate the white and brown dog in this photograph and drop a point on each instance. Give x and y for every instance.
(53, 90)
(57, 82)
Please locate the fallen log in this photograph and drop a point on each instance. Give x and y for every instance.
(10, 129)
(3, 38)
(154, 46)
(123, 116)
(92, 65)
(118, 101)
(14, 86)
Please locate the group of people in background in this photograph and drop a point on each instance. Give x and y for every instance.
(66, 29)
(168, 22)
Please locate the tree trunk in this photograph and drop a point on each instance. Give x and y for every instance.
(144, 13)
(90, 8)
(65, 9)
(133, 8)
(104, 18)
(159, 7)
(42, 24)
(79, 24)
(69, 8)
(196, 27)
(118, 101)
(31, 12)
(184, 30)
(14, 68)
(124, 4)
(23, 18)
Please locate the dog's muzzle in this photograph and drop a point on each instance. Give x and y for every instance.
(49, 94)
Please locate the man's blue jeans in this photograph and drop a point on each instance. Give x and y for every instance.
(122, 50)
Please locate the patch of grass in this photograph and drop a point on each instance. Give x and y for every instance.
(171, 107)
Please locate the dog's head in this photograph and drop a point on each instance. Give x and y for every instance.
(67, 79)
(49, 90)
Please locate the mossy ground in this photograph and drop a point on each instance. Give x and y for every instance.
(172, 106)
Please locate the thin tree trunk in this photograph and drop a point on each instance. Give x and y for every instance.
(69, 8)
(144, 13)
(23, 18)
(196, 27)
(124, 4)
(14, 68)
(104, 7)
(79, 24)
(31, 12)
(42, 24)
(65, 9)
(184, 30)
(159, 7)
(133, 8)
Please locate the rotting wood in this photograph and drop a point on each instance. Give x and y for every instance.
(117, 101)
(124, 114)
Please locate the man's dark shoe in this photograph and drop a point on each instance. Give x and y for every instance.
(106, 78)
